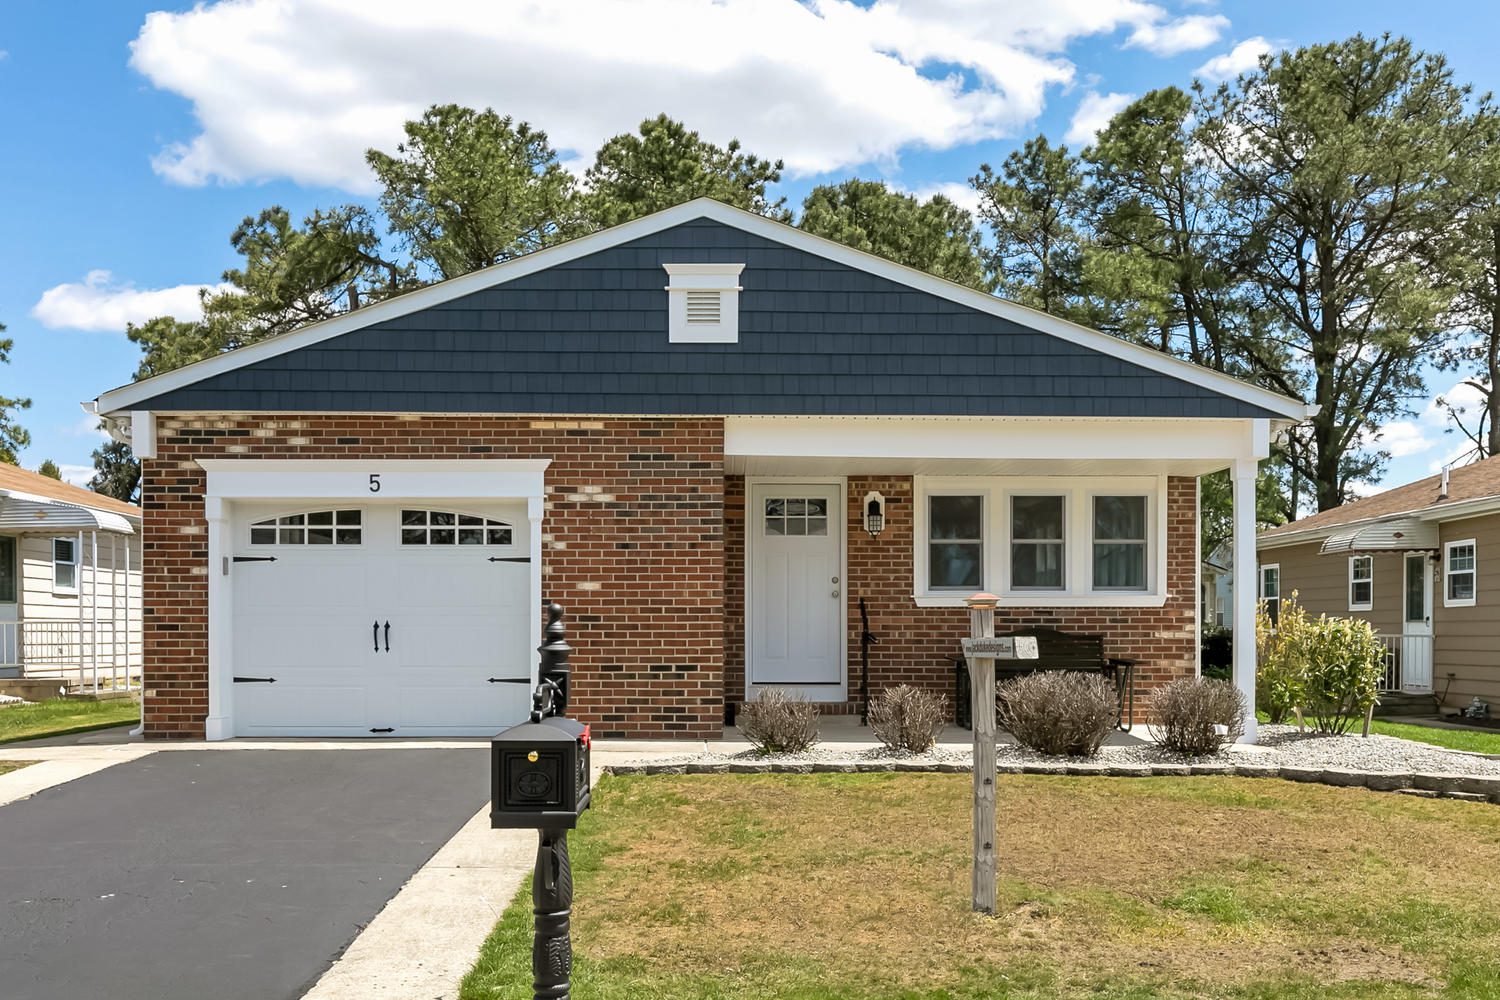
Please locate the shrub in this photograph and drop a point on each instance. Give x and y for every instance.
(777, 722)
(1281, 660)
(1188, 713)
(1064, 713)
(1345, 661)
(908, 718)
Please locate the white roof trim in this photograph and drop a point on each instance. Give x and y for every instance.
(126, 397)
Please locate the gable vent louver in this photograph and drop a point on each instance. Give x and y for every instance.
(703, 307)
(703, 303)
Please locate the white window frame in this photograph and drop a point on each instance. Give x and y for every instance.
(719, 279)
(1078, 551)
(58, 588)
(1448, 573)
(1007, 562)
(926, 540)
(1149, 583)
(1260, 587)
(1369, 578)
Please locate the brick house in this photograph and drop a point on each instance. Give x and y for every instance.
(675, 428)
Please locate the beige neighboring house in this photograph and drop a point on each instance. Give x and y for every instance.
(70, 587)
(1421, 563)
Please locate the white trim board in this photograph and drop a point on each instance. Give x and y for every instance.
(128, 396)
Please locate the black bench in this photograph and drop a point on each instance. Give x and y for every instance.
(1056, 650)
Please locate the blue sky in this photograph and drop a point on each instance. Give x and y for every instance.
(138, 135)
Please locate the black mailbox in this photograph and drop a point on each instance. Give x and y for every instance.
(540, 773)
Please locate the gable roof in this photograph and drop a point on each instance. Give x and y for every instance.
(937, 353)
(1472, 489)
(32, 484)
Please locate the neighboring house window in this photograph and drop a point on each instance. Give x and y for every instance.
(65, 565)
(445, 527)
(1460, 573)
(1270, 591)
(319, 527)
(7, 570)
(1361, 583)
(1120, 543)
(1038, 542)
(955, 542)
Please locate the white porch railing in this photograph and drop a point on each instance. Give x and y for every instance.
(86, 656)
(1408, 663)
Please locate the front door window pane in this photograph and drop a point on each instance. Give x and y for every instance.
(7, 570)
(1416, 589)
(796, 516)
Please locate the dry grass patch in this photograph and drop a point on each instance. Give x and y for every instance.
(6, 766)
(857, 886)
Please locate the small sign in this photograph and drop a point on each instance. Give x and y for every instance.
(1020, 647)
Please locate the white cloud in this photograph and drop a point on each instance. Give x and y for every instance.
(1402, 438)
(1241, 59)
(1094, 112)
(78, 475)
(961, 194)
(1168, 38)
(100, 302)
(301, 90)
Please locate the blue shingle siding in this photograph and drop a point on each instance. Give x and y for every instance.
(589, 336)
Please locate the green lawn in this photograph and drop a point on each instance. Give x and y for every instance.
(1477, 741)
(60, 716)
(6, 766)
(856, 887)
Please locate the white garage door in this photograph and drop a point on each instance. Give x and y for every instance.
(399, 619)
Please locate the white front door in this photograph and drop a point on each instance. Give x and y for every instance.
(1416, 629)
(380, 619)
(795, 535)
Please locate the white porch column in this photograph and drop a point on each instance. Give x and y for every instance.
(535, 508)
(220, 722)
(1244, 588)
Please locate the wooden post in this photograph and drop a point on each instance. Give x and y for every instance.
(982, 712)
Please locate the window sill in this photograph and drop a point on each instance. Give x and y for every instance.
(1459, 604)
(1049, 601)
(1361, 607)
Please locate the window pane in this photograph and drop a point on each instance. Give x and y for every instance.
(348, 517)
(796, 508)
(1120, 518)
(441, 536)
(956, 517)
(499, 536)
(1461, 587)
(262, 536)
(413, 517)
(1270, 582)
(1416, 589)
(1036, 518)
(8, 570)
(775, 525)
(320, 517)
(291, 536)
(413, 536)
(62, 550)
(796, 526)
(440, 517)
(320, 536)
(817, 507)
(471, 536)
(294, 519)
(466, 519)
(817, 526)
(1120, 566)
(775, 507)
(1360, 592)
(349, 536)
(1036, 565)
(64, 576)
(954, 565)
(1461, 557)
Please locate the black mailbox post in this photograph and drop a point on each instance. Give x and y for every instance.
(539, 780)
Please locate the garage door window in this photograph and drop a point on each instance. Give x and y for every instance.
(318, 527)
(445, 527)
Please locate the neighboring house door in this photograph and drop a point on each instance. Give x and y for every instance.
(1416, 637)
(381, 619)
(10, 608)
(795, 533)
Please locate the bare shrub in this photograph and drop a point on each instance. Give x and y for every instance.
(1064, 713)
(776, 722)
(1186, 716)
(908, 718)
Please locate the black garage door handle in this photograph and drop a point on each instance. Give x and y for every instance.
(387, 637)
(376, 627)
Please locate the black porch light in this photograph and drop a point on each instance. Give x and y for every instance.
(874, 514)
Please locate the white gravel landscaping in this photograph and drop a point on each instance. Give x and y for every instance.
(1383, 763)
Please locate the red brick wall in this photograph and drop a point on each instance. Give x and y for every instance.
(915, 642)
(634, 511)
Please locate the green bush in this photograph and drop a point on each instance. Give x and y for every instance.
(1281, 660)
(1344, 663)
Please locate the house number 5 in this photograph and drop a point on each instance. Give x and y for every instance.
(374, 482)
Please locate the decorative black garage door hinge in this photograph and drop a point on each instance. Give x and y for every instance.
(521, 559)
(254, 559)
(387, 729)
(510, 680)
(255, 680)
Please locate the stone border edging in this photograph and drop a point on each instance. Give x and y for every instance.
(1470, 788)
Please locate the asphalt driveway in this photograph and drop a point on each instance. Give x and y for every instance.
(217, 874)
